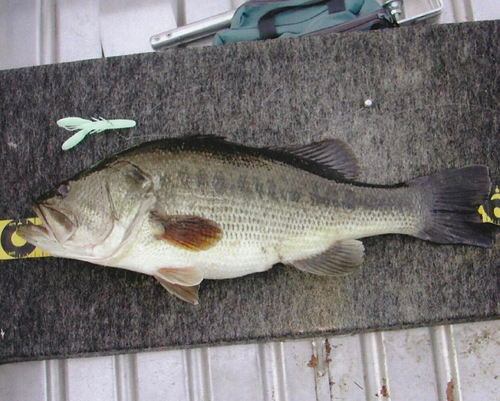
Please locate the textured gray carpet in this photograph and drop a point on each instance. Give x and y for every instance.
(436, 106)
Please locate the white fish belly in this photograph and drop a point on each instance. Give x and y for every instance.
(219, 262)
(247, 249)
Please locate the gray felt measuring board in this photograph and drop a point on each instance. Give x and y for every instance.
(436, 106)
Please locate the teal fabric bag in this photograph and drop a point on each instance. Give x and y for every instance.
(271, 19)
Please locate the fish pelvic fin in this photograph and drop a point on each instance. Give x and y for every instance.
(189, 232)
(453, 199)
(186, 293)
(182, 282)
(340, 259)
(187, 276)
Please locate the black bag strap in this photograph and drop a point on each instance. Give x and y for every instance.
(267, 25)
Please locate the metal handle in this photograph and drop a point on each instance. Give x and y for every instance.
(194, 31)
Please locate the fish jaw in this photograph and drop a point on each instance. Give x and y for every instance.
(42, 237)
(58, 223)
(55, 233)
(35, 234)
(57, 228)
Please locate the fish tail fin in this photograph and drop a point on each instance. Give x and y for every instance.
(454, 197)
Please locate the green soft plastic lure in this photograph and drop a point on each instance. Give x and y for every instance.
(87, 127)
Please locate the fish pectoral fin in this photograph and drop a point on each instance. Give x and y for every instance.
(335, 155)
(193, 233)
(186, 293)
(340, 259)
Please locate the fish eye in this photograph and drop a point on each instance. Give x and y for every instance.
(63, 190)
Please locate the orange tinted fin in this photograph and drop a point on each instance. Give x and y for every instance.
(183, 276)
(190, 232)
(186, 293)
(342, 258)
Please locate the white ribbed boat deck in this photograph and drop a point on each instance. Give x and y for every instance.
(456, 362)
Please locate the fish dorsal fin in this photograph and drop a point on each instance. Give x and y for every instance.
(189, 232)
(186, 293)
(335, 156)
(340, 259)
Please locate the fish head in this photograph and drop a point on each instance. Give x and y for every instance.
(75, 216)
(88, 217)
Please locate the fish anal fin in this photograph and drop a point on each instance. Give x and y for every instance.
(186, 293)
(335, 156)
(340, 259)
(193, 233)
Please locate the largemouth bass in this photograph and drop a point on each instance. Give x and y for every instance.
(184, 210)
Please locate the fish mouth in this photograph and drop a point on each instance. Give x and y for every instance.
(57, 226)
(34, 234)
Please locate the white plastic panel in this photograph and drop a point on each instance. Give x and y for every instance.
(445, 363)
(292, 375)
(478, 355)
(225, 365)
(56, 379)
(374, 361)
(18, 41)
(193, 11)
(90, 379)
(127, 25)
(410, 363)
(23, 381)
(484, 10)
(77, 23)
(457, 363)
(346, 374)
(160, 373)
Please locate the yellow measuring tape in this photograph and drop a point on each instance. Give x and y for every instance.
(12, 246)
(490, 211)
